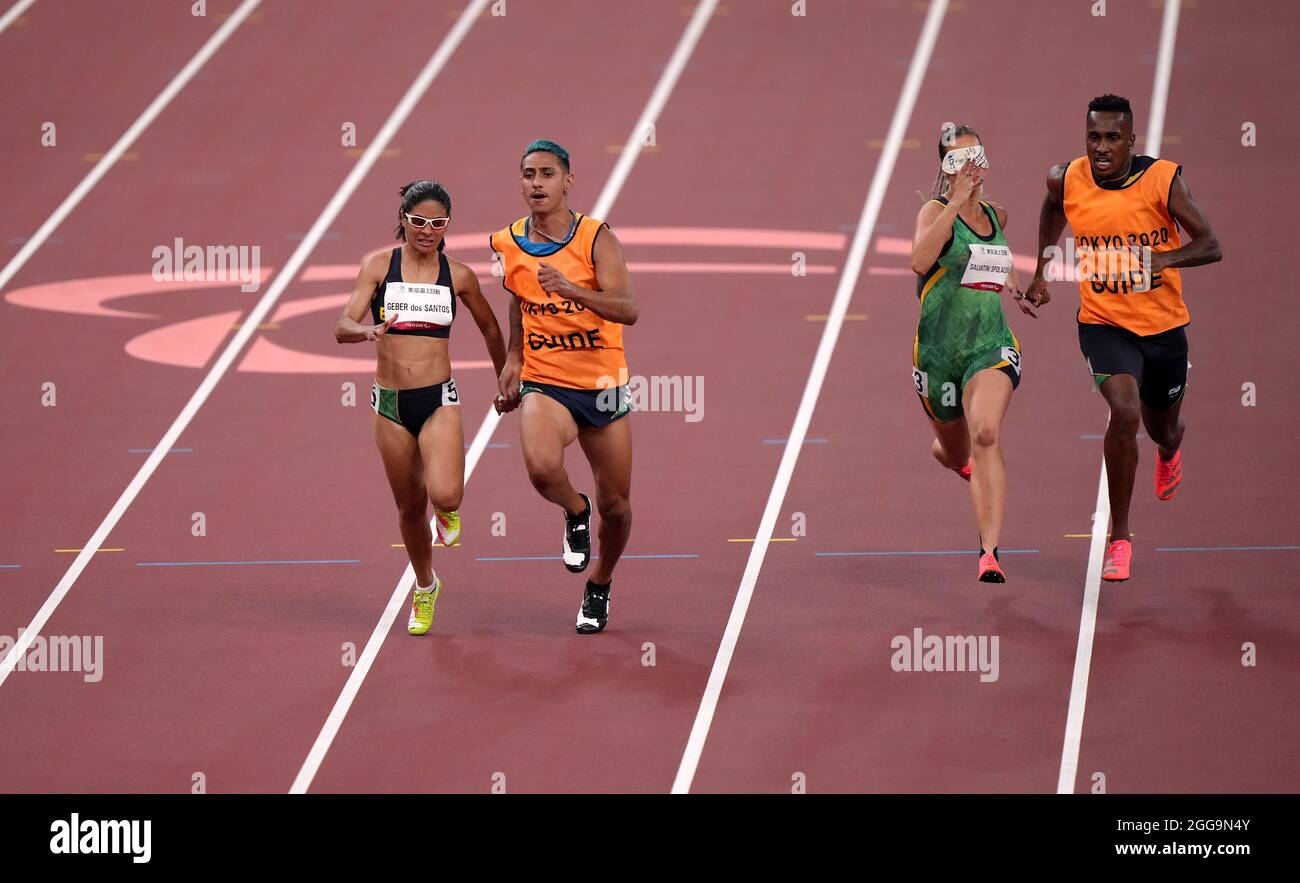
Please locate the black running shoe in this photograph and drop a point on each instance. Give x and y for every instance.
(577, 539)
(594, 612)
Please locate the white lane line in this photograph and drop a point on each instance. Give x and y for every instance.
(604, 203)
(14, 11)
(128, 138)
(816, 376)
(1087, 629)
(658, 98)
(246, 329)
(1164, 70)
(1101, 516)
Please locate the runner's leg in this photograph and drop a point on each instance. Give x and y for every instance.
(609, 451)
(985, 400)
(1121, 448)
(442, 447)
(546, 428)
(402, 464)
(951, 445)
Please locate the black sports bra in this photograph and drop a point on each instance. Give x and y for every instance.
(423, 329)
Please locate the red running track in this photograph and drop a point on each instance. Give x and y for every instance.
(231, 670)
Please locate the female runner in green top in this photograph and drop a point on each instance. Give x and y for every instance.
(966, 361)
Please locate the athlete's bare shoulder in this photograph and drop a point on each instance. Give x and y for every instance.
(1000, 210)
(375, 264)
(381, 255)
(462, 275)
(928, 211)
(1056, 181)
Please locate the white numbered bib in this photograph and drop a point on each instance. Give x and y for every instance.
(1012, 355)
(988, 267)
(417, 305)
(922, 382)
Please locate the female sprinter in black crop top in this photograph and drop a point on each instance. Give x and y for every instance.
(410, 292)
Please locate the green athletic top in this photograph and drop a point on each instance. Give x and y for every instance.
(961, 310)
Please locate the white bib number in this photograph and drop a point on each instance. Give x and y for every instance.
(449, 394)
(988, 267)
(921, 381)
(417, 305)
(1012, 355)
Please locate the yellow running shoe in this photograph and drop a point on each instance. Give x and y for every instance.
(448, 527)
(422, 608)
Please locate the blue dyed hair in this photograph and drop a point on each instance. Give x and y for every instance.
(547, 146)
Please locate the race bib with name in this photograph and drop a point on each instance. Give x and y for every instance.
(988, 267)
(417, 305)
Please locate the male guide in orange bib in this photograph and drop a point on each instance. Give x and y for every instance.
(571, 295)
(1126, 212)
(1112, 226)
(565, 343)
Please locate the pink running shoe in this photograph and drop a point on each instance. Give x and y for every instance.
(1169, 475)
(990, 570)
(1115, 568)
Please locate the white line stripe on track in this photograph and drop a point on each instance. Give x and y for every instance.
(246, 329)
(816, 376)
(604, 203)
(1101, 516)
(1083, 651)
(14, 11)
(128, 138)
(1164, 70)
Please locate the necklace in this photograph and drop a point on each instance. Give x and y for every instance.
(1128, 167)
(537, 229)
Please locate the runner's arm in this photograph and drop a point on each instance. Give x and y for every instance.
(1204, 246)
(933, 227)
(1017, 294)
(349, 328)
(614, 301)
(935, 219)
(508, 379)
(1051, 224)
(471, 295)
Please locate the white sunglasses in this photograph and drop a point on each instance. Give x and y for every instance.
(420, 223)
(953, 160)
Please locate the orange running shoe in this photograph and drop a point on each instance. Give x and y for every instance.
(990, 570)
(964, 472)
(1169, 475)
(1115, 569)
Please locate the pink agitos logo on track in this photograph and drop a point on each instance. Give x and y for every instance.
(192, 343)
